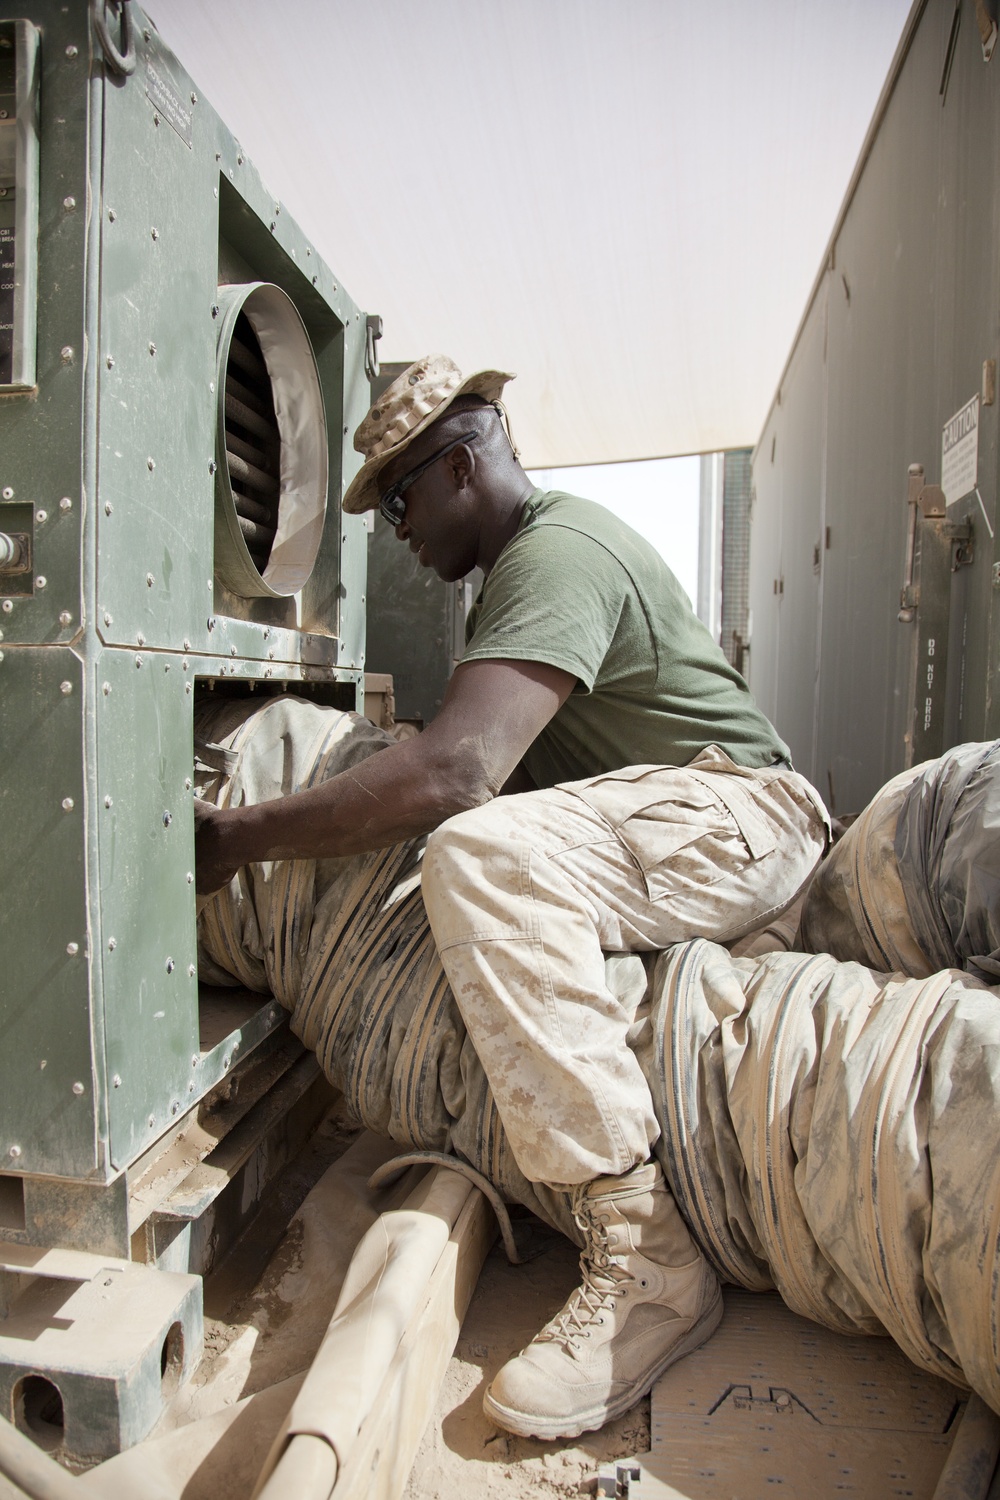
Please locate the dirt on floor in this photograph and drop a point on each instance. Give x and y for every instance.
(463, 1453)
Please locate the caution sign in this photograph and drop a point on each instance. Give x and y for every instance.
(960, 452)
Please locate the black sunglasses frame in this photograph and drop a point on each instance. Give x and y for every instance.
(391, 505)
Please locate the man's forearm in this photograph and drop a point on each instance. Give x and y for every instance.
(396, 794)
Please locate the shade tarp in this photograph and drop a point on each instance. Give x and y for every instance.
(625, 201)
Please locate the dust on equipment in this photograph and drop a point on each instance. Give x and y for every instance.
(178, 370)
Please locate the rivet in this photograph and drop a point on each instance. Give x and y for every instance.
(107, 618)
(192, 971)
(267, 631)
(7, 606)
(270, 654)
(232, 650)
(147, 36)
(109, 802)
(110, 362)
(272, 226)
(151, 1121)
(66, 353)
(315, 279)
(211, 623)
(174, 1106)
(65, 504)
(215, 309)
(41, 516)
(152, 348)
(111, 216)
(71, 51)
(239, 161)
(167, 819)
(65, 688)
(190, 878)
(116, 1081)
(211, 386)
(106, 689)
(212, 466)
(78, 1088)
(194, 98)
(108, 508)
(156, 121)
(69, 204)
(1, 656)
(112, 942)
(186, 647)
(138, 661)
(170, 966)
(65, 618)
(8, 493)
(191, 1085)
(150, 580)
(188, 783)
(187, 687)
(155, 232)
(67, 804)
(140, 639)
(150, 464)
(268, 671)
(72, 949)
(14, 1152)
(41, 581)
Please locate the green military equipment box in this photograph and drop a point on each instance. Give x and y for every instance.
(179, 370)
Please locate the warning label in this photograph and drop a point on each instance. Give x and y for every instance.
(960, 452)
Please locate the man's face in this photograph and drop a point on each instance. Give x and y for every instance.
(441, 520)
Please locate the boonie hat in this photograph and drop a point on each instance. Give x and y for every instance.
(418, 397)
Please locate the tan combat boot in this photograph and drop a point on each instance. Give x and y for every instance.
(648, 1297)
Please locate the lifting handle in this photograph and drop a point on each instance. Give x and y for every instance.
(120, 60)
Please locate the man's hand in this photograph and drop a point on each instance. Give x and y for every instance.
(213, 866)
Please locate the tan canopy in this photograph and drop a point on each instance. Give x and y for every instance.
(626, 201)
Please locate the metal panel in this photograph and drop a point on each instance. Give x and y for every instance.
(913, 297)
(49, 1078)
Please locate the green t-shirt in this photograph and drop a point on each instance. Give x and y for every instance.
(578, 589)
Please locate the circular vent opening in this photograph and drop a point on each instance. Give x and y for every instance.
(273, 458)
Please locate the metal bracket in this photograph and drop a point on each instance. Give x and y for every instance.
(373, 332)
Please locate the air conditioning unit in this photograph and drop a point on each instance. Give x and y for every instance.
(179, 375)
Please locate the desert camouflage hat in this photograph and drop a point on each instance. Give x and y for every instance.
(418, 397)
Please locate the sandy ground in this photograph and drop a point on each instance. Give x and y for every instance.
(462, 1453)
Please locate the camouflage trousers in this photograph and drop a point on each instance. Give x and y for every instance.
(526, 894)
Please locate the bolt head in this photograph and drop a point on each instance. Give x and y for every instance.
(65, 688)
(154, 233)
(112, 216)
(116, 1081)
(151, 464)
(69, 204)
(78, 1088)
(8, 492)
(14, 1152)
(41, 516)
(7, 606)
(108, 508)
(72, 51)
(67, 804)
(150, 580)
(192, 971)
(66, 353)
(152, 348)
(112, 942)
(109, 802)
(72, 949)
(106, 689)
(190, 878)
(110, 362)
(65, 618)
(140, 639)
(170, 966)
(168, 818)
(65, 503)
(212, 466)
(40, 581)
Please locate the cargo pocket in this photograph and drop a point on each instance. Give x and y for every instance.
(682, 828)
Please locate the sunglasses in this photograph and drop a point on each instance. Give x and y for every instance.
(391, 503)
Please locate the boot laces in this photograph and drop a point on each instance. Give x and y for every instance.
(602, 1276)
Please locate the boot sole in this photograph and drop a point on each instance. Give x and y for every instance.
(524, 1424)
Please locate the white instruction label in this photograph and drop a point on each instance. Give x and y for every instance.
(960, 452)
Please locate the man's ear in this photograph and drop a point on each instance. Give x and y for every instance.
(460, 465)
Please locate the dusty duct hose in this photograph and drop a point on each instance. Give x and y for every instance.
(815, 1116)
(914, 885)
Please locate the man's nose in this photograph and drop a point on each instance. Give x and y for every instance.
(402, 531)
